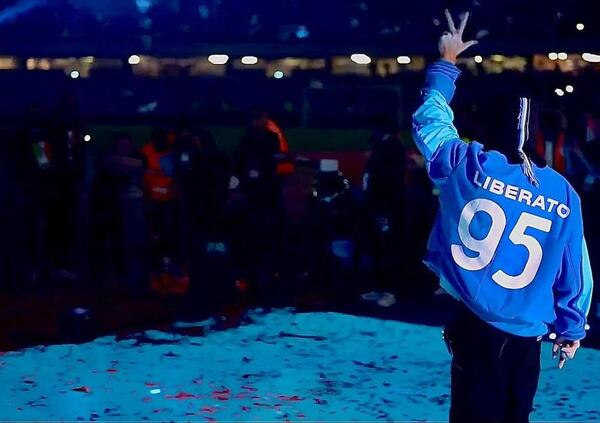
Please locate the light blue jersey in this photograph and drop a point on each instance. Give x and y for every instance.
(512, 251)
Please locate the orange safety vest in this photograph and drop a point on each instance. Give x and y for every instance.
(284, 167)
(158, 186)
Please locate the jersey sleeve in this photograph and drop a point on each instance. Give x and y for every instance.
(433, 128)
(573, 287)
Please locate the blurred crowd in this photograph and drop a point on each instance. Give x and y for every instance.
(177, 217)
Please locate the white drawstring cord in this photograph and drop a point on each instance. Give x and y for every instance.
(523, 127)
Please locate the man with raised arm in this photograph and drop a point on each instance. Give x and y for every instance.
(508, 246)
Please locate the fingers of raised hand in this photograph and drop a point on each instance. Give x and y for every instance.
(463, 23)
(450, 21)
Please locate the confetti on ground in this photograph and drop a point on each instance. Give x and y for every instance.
(283, 367)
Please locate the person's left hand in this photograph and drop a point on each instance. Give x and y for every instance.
(566, 350)
(451, 43)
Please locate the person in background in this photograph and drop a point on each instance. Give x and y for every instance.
(202, 174)
(508, 247)
(383, 182)
(118, 222)
(66, 209)
(258, 237)
(162, 198)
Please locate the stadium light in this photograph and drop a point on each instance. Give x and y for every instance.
(74, 74)
(403, 60)
(559, 92)
(562, 56)
(134, 59)
(218, 59)
(278, 74)
(478, 59)
(580, 27)
(360, 59)
(552, 56)
(591, 57)
(87, 137)
(249, 60)
(569, 88)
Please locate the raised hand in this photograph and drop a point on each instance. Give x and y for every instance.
(451, 43)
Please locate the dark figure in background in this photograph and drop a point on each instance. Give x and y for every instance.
(384, 182)
(50, 169)
(11, 226)
(258, 238)
(203, 176)
(162, 202)
(33, 169)
(118, 225)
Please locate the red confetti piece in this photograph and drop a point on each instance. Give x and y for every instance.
(249, 388)
(222, 395)
(111, 371)
(210, 410)
(85, 389)
(290, 398)
(149, 384)
(180, 396)
(146, 399)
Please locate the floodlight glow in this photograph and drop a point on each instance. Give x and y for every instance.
(403, 60)
(360, 59)
(580, 27)
(559, 92)
(569, 88)
(552, 56)
(591, 57)
(278, 74)
(478, 59)
(218, 59)
(134, 59)
(74, 74)
(249, 60)
(562, 56)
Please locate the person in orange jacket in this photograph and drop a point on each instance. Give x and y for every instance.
(163, 213)
(159, 183)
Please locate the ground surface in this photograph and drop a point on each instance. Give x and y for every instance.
(284, 366)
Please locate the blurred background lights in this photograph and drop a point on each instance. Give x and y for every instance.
(302, 32)
(360, 59)
(569, 88)
(403, 60)
(559, 92)
(478, 59)
(134, 59)
(552, 56)
(87, 137)
(278, 74)
(580, 27)
(562, 56)
(249, 60)
(590, 57)
(218, 59)
(74, 74)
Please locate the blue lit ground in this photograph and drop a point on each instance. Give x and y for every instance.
(347, 368)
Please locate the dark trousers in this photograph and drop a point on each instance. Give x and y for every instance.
(494, 374)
